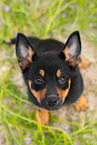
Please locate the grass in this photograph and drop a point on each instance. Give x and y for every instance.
(43, 19)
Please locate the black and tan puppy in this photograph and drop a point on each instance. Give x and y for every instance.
(51, 72)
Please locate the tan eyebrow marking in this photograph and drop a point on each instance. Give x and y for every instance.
(42, 72)
(58, 73)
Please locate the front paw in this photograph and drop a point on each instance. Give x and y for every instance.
(82, 104)
(84, 63)
(42, 116)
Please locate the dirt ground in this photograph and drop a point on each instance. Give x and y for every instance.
(90, 92)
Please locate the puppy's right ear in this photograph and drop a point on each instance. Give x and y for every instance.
(72, 49)
(24, 51)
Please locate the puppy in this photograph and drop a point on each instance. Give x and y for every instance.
(51, 72)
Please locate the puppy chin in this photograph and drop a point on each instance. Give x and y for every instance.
(52, 108)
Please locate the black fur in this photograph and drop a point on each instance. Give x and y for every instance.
(49, 56)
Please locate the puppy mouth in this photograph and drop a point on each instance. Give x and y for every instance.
(52, 108)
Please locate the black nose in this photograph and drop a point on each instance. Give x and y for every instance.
(52, 101)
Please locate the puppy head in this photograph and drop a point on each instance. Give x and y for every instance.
(48, 74)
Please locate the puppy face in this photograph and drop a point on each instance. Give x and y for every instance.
(48, 74)
(49, 83)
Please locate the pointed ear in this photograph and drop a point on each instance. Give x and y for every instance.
(24, 51)
(72, 49)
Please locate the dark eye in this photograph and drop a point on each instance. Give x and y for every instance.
(62, 80)
(39, 80)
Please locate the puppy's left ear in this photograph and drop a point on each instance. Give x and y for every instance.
(72, 49)
(24, 51)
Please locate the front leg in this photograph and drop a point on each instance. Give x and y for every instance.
(42, 116)
(84, 63)
(81, 104)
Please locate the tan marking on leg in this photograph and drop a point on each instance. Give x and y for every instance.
(42, 116)
(37, 94)
(63, 93)
(58, 73)
(84, 63)
(42, 72)
(82, 104)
